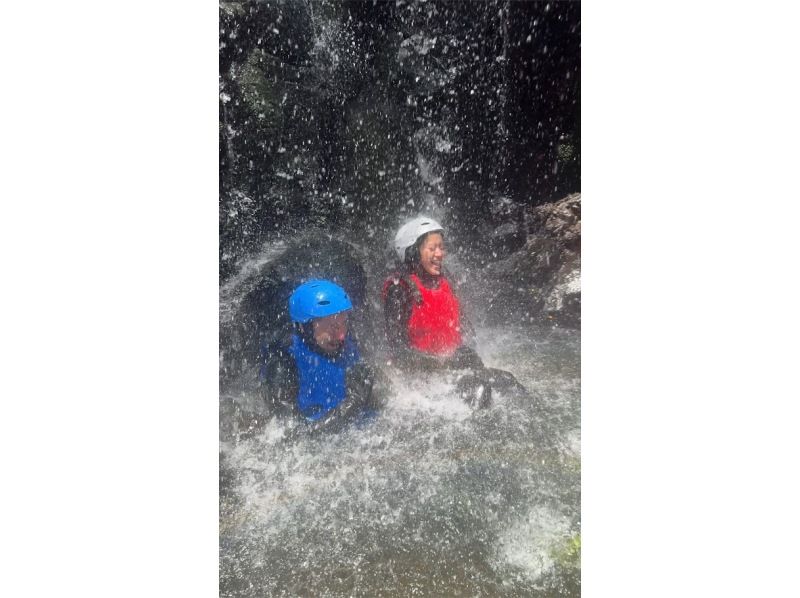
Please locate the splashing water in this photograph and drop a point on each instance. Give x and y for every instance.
(427, 498)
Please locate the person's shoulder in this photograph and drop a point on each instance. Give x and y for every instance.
(394, 278)
(395, 285)
(395, 282)
(402, 292)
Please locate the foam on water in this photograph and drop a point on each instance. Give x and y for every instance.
(427, 497)
(428, 397)
(526, 546)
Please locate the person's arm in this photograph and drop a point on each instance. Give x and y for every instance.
(279, 380)
(397, 312)
(366, 386)
(465, 357)
(366, 389)
(358, 381)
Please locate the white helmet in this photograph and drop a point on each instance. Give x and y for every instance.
(411, 231)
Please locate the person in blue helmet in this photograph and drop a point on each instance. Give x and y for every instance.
(317, 372)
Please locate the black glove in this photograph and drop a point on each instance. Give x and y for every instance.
(359, 381)
(475, 389)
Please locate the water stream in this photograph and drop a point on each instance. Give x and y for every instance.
(426, 499)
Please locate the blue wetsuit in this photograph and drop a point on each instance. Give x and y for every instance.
(321, 378)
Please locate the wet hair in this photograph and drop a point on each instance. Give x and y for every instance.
(412, 255)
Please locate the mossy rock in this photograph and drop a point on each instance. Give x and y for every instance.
(568, 554)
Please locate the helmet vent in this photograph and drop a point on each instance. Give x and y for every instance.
(324, 302)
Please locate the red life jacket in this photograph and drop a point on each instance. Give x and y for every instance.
(435, 325)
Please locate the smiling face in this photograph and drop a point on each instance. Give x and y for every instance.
(431, 254)
(329, 332)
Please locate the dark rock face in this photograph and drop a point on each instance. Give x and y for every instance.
(561, 220)
(351, 114)
(506, 239)
(541, 281)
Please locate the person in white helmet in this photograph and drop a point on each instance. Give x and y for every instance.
(423, 316)
(425, 326)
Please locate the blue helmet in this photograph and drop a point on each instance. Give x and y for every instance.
(317, 299)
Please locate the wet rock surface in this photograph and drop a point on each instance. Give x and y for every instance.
(541, 280)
